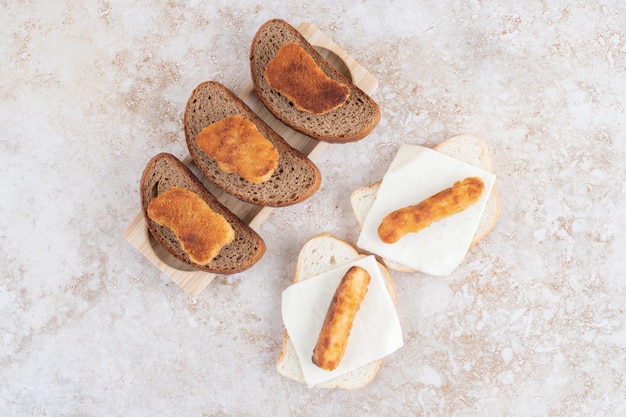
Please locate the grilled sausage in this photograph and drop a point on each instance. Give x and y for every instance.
(333, 338)
(445, 203)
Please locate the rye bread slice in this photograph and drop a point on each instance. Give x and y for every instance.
(296, 177)
(164, 171)
(352, 121)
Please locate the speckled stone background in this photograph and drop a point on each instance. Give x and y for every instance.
(531, 324)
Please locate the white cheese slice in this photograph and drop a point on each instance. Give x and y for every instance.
(415, 174)
(375, 333)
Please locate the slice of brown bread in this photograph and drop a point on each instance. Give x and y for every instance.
(352, 121)
(295, 178)
(164, 171)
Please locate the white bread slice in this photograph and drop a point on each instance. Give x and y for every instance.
(467, 148)
(319, 254)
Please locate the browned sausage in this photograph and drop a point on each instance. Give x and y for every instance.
(445, 203)
(333, 338)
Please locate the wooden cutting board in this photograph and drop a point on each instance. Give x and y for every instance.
(194, 282)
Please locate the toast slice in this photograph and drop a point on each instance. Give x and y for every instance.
(319, 254)
(467, 148)
(165, 171)
(351, 121)
(295, 178)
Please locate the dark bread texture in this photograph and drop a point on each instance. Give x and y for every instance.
(164, 171)
(295, 178)
(352, 121)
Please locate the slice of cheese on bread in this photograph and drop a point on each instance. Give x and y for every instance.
(320, 256)
(469, 149)
(164, 173)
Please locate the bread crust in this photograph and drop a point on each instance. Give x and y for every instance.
(164, 171)
(295, 178)
(337, 126)
(333, 338)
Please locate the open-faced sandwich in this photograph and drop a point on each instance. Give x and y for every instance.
(339, 316)
(430, 207)
(189, 222)
(240, 154)
(301, 89)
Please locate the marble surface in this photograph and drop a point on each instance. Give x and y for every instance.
(531, 324)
